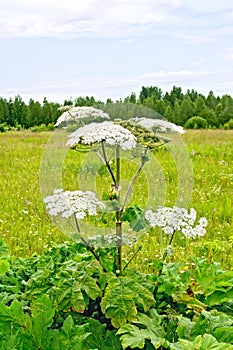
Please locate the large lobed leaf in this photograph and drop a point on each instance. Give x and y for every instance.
(122, 298)
(146, 327)
(207, 341)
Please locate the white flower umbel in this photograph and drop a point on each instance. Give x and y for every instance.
(159, 125)
(112, 134)
(72, 114)
(177, 219)
(70, 203)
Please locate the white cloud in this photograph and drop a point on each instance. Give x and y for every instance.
(174, 3)
(193, 39)
(103, 87)
(209, 6)
(102, 18)
(198, 61)
(70, 18)
(229, 54)
(226, 30)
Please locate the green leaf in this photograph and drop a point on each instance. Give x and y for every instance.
(152, 321)
(207, 341)
(42, 313)
(13, 314)
(219, 297)
(209, 322)
(135, 216)
(211, 277)
(117, 303)
(122, 296)
(4, 266)
(69, 337)
(32, 330)
(148, 328)
(99, 338)
(11, 342)
(119, 307)
(90, 286)
(41, 319)
(191, 302)
(210, 343)
(185, 327)
(183, 345)
(224, 334)
(68, 296)
(142, 297)
(73, 284)
(132, 337)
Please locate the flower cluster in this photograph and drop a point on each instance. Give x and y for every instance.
(112, 240)
(159, 125)
(70, 203)
(177, 219)
(72, 114)
(112, 134)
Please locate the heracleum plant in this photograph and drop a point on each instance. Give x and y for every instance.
(139, 135)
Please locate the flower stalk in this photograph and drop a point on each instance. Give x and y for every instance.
(118, 213)
(143, 161)
(87, 244)
(107, 164)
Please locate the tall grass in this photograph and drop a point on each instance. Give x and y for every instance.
(211, 152)
(27, 229)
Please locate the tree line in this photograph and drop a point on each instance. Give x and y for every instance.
(189, 109)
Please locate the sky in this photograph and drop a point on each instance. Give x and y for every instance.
(61, 49)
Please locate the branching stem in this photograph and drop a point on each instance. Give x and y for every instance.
(132, 257)
(107, 163)
(89, 247)
(170, 242)
(131, 185)
(162, 263)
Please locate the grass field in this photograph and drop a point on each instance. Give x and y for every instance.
(27, 229)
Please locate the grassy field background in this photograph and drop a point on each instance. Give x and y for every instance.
(27, 229)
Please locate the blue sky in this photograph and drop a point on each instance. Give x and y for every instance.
(109, 48)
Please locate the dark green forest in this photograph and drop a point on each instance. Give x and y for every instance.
(190, 109)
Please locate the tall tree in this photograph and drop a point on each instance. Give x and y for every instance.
(193, 94)
(175, 94)
(227, 109)
(34, 116)
(131, 99)
(150, 91)
(200, 106)
(19, 111)
(211, 100)
(4, 111)
(186, 110)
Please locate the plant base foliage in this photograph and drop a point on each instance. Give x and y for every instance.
(64, 300)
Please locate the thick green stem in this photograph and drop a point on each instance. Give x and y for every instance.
(119, 243)
(118, 213)
(118, 164)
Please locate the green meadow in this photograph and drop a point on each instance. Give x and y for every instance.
(27, 229)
